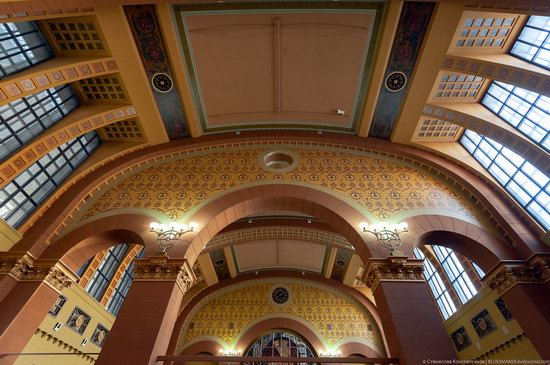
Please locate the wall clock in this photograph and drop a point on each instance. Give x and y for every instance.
(279, 295)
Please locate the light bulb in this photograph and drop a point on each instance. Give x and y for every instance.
(364, 226)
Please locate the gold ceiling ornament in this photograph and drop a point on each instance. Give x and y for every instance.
(169, 234)
(387, 234)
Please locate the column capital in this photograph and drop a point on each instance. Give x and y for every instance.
(22, 266)
(392, 268)
(162, 268)
(507, 274)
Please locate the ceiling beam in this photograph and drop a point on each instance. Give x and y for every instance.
(434, 49)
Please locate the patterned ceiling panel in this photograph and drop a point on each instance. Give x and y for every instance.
(227, 313)
(382, 187)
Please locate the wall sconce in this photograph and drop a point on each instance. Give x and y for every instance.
(329, 353)
(387, 234)
(168, 234)
(230, 352)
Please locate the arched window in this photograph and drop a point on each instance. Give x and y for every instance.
(123, 286)
(456, 273)
(106, 271)
(21, 196)
(526, 183)
(279, 344)
(25, 118)
(437, 287)
(533, 44)
(525, 110)
(21, 46)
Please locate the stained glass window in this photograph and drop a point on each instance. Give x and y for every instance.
(21, 196)
(279, 344)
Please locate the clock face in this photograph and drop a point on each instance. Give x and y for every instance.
(279, 295)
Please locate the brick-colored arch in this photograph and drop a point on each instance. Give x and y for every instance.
(75, 248)
(46, 227)
(202, 347)
(259, 329)
(186, 311)
(351, 348)
(221, 212)
(466, 238)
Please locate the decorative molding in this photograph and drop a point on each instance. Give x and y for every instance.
(63, 345)
(506, 275)
(262, 233)
(90, 120)
(74, 69)
(507, 137)
(162, 268)
(538, 82)
(24, 267)
(502, 347)
(392, 268)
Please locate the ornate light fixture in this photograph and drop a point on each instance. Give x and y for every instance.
(329, 353)
(387, 234)
(224, 352)
(168, 234)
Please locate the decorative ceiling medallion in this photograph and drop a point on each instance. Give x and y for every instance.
(396, 81)
(279, 161)
(162, 82)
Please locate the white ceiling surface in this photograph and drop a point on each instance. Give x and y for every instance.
(293, 254)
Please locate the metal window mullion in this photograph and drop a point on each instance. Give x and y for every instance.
(22, 50)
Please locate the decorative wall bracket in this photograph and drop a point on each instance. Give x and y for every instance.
(392, 268)
(22, 266)
(509, 273)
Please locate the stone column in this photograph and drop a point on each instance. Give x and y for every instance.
(525, 288)
(146, 320)
(29, 289)
(412, 323)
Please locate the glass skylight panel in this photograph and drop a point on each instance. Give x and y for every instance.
(21, 46)
(455, 271)
(527, 184)
(525, 110)
(533, 44)
(438, 289)
(21, 196)
(25, 118)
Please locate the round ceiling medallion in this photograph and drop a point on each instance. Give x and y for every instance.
(396, 81)
(278, 161)
(162, 82)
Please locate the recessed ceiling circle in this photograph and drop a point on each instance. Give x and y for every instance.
(278, 161)
(396, 81)
(162, 82)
